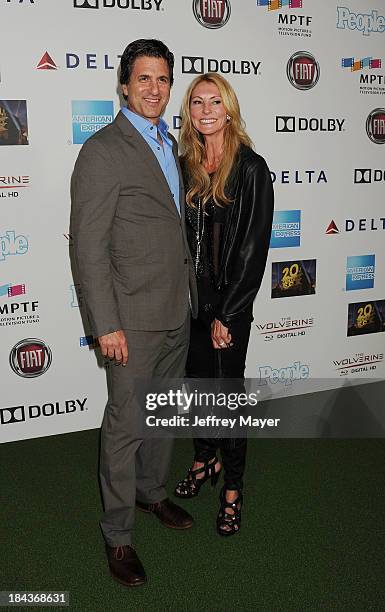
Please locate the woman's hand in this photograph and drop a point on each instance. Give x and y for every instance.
(220, 335)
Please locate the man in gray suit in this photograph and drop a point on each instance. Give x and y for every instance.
(136, 273)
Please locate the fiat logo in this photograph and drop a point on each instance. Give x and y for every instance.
(303, 70)
(212, 14)
(30, 358)
(375, 125)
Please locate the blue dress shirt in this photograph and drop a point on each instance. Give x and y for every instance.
(164, 154)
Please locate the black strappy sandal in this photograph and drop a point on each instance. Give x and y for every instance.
(229, 523)
(190, 486)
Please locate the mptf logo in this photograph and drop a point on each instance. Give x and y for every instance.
(212, 14)
(285, 123)
(10, 244)
(303, 70)
(287, 375)
(144, 5)
(19, 312)
(360, 272)
(88, 117)
(273, 5)
(375, 125)
(286, 230)
(10, 290)
(362, 22)
(289, 23)
(368, 175)
(30, 358)
(371, 83)
(360, 64)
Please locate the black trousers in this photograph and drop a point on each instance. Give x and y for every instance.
(204, 361)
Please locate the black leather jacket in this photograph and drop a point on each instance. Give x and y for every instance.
(246, 236)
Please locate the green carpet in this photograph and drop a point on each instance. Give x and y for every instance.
(312, 535)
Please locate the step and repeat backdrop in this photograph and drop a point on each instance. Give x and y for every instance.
(310, 77)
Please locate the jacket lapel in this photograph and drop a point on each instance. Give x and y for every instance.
(149, 157)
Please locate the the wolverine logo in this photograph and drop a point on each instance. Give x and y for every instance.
(15, 414)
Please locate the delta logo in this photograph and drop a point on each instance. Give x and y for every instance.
(372, 224)
(332, 228)
(360, 64)
(87, 61)
(46, 63)
(273, 5)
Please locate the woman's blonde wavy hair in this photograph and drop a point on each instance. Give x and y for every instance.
(193, 147)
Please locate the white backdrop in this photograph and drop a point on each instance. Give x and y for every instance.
(315, 168)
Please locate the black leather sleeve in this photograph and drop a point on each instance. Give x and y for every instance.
(250, 245)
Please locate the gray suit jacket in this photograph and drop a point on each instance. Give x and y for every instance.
(130, 245)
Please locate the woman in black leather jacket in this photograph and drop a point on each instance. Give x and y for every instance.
(229, 216)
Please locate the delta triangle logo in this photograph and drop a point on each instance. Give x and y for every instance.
(46, 63)
(332, 228)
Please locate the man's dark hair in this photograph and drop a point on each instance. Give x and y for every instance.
(148, 47)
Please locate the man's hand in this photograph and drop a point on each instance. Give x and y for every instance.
(114, 346)
(220, 335)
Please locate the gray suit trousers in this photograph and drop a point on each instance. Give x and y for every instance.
(131, 467)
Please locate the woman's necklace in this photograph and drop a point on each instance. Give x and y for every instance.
(199, 233)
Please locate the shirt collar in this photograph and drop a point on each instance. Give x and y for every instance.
(142, 124)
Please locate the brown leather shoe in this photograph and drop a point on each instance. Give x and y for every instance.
(169, 514)
(125, 565)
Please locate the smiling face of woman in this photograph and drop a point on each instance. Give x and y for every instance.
(208, 115)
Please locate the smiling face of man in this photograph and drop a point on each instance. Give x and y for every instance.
(148, 90)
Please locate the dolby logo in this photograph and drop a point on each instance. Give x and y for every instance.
(368, 175)
(14, 414)
(18, 414)
(290, 124)
(144, 5)
(198, 65)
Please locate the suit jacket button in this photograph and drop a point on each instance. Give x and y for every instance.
(185, 261)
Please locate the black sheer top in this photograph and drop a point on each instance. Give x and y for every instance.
(206, 228)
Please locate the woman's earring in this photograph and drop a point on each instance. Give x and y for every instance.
(228, 117)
